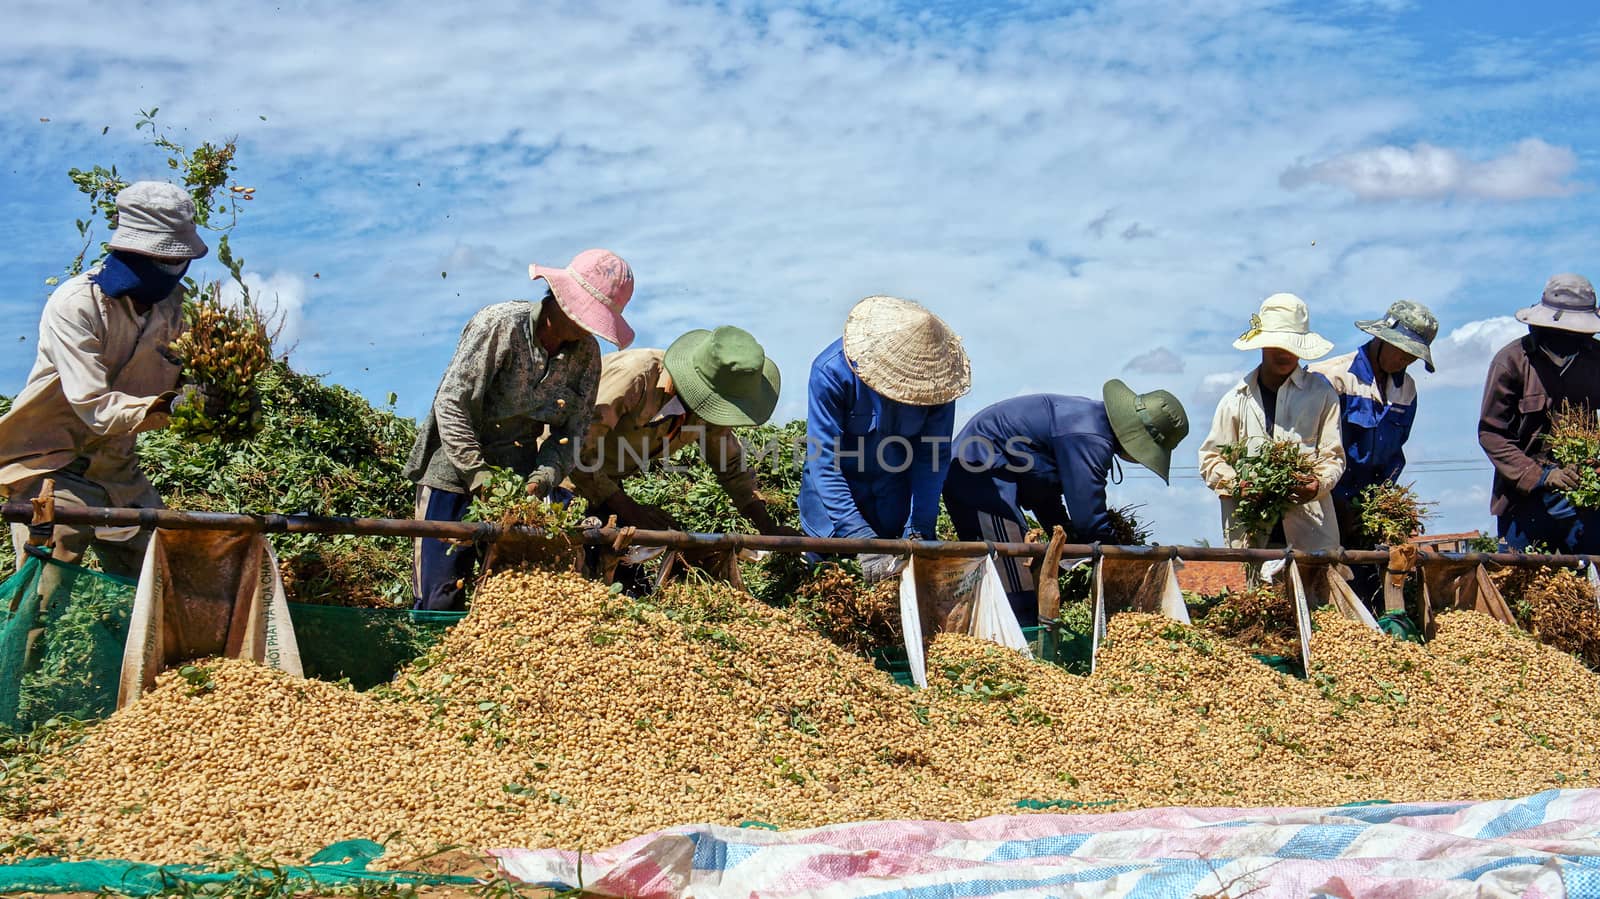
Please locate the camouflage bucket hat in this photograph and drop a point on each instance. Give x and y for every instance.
(1409, 326)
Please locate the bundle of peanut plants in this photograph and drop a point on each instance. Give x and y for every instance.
(1573, 442)
(1268, 474)
(1391, 513)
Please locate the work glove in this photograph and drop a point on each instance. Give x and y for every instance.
(635, 514)
(480, 481)
(761, 517)
(1561, 479)
(542, 482)
(198, 396)
(877, 567)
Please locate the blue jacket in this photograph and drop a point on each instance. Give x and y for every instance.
(1057, 449)
(874, 466)
(1374, 431)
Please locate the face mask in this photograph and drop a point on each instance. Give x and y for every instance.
(139, 278)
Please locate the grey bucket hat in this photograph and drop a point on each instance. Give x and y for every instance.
(1567, 305)
(1408, 325)
(155, 218)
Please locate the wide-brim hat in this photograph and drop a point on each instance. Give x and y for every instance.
(1408, 326)
(1148, 425)
(724, 377)
(903, 351)
(592, 290)
(1284, 322)
(155, 218)
(1568, 304)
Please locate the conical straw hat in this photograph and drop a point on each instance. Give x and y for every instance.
(905, 352)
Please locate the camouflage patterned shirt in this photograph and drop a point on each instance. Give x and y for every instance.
(505, 402)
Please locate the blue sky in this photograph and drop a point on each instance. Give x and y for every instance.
(1073, 187)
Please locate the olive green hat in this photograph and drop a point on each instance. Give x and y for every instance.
(1148, 425)
(724, 376)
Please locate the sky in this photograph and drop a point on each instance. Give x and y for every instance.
(1082, 190)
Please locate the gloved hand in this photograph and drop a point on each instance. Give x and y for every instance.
(640, 515)
(480, 481)
(198, 396)
(877, 567)
(1561, 479)
(761, 517)
(542, 482)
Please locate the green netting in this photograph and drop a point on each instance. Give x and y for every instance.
(62, 629)
(1400, 626)
(341, 864)
(365, 645)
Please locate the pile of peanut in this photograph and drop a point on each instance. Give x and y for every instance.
(559, 714)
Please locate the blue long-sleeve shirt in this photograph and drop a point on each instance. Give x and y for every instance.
(1374, 423)
(874, 466)
(1057, 449)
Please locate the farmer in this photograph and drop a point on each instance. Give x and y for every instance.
(880, 416)
(1378, 403)
(652, 403)
(1052, 455)
(1280, 401)
(517, 395)
(103, 375)
(1557, 363)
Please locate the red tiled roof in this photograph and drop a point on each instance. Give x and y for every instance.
(1211, 578)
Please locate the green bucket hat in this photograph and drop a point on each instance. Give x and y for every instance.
(1148, 425)
(724, 376)
(1409, 326)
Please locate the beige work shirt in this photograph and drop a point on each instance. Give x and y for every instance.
(98, 375)
(632, 429)
(1307, 413)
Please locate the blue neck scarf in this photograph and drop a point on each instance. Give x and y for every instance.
(139, 278)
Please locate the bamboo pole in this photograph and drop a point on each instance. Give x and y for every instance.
(275, 523)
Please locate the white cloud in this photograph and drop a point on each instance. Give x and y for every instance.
(1159, 361)
(766, 168)
(1462, 356)
(1210, 390)
(281, 296)
(1532, 169)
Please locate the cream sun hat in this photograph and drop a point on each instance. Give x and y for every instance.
(1284, 323)
(905, 352)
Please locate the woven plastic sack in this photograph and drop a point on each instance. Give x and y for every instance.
(961, 595)
(60, 654)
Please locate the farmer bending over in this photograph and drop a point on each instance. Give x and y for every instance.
(881, 413)
(652, 403)
(518, 394)
(1052, 455)
(1280, 401)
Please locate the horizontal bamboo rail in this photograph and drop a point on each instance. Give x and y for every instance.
(274, 523)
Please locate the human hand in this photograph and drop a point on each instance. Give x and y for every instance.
(877, 567)
(542, 482)
(200, 397)
(1561, 479)
(1307, 491)
(640, 515)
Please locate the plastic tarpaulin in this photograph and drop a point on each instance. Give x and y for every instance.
(1546, 846)
(340, 865)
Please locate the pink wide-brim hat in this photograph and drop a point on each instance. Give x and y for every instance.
(592, 291)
